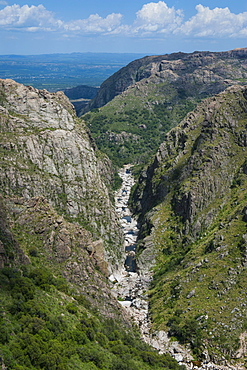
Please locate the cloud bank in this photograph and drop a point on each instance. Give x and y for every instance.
(153, 19)
(215, 22)
(157, 17)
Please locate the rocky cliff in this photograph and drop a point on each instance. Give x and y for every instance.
(59, 241)
(191, 203)
(144, 100)
(47, 152)
(212, 70)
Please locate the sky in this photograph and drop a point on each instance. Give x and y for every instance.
(121, 26)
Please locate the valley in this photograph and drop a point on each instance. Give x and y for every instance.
(123, 237)
(131, 286)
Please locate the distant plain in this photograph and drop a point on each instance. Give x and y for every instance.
(60, 71)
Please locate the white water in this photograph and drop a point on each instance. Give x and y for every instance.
(130, 288)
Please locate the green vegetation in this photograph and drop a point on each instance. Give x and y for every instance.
(192, 198)
(44, 327)
(197, 292)
(130, 128)
(47, 322)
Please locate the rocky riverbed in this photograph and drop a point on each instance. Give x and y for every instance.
(130, 287)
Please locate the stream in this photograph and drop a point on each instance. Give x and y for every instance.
(130, 288)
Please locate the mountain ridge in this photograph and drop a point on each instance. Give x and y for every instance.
(142, 68)
(191, 204)
(47, 152)
(59, 241)
(60, 238)
(136, 106)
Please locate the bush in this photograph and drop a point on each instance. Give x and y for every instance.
(189, 332)
(33, 252)
(118, 348)
(5, 331)
(124, 364)
(23, 286)
(42, 277)
(71, 308)
(82, 300)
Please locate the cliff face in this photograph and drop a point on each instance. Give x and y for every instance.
(212, 71)
(151, 95)
(59, 240)
(191, 203)
(47, 152)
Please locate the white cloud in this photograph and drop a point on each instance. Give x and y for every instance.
(157, 17)
(218, 22)
(36, 18)
(95, 24)
(154, 19)
(33, 17)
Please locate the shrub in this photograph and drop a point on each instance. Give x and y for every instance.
(71, 308)
(23, 286)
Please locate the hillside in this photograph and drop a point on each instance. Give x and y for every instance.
(62, 245)
(59, 241)
(46, 151)
(136, 106)
(191, 204)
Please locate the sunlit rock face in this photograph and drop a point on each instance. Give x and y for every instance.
(46, 151)
(191, 203)
(207, 73)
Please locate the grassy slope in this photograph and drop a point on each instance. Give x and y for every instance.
(47, 322)
(145, 112)
(155, 94)
(199, 286)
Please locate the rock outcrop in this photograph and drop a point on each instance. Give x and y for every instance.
(191, 203)
(60, 239)
(143, 101)
(31, 231)
(47, 152)
(213, 71)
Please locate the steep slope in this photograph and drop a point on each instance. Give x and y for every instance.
(33, 234)
(56, 308)
(59, 240)
(191, 203)
(203, 66)
(145, 99)
(46, 151)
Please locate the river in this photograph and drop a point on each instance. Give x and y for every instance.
(130, 288)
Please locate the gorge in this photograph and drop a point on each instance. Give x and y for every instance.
(131, 285)
(79, 260)
(60, 239)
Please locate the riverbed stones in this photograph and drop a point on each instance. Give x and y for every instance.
(130, 287)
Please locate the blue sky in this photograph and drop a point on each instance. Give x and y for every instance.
(122, 26)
